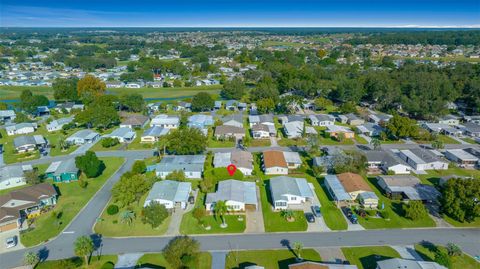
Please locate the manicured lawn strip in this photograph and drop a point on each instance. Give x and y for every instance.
(455, 223)
(9, 153)
(270, 259)
(330, 212)
(259, 143)
(220, 144)
(394, 208)
(388, 141)
(107, 227)
(433, 176)
(367, 257)
(136, 143)
(71, 200)
(427, 252)
(443, 138)
(96, 262)
(361, 140)
(273, 221)
(5, 191)
(190, 225)
(469, 140)
(157, 260)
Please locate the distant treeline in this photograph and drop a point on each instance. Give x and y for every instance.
(459, 37)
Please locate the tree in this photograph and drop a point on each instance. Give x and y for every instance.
(437, 144)
(32, 177)
(233, 89)
(109, 142)
(62, 143)
(202, 101)
(348, 161)
(89, 164)
(139, 167)
(415, 210)
(29, 102)
(460, 199)
(130, 188)
(154, 214)
(177, 175)
(99, 115)
(298, 247)
(89, 88)
(31, 258)
(442, 258)
(375, 142)
(199, 213)
(453, 250)
(65, 89)
(220, 209)
(127, 217)
(133, 102)
(322, 103)
(265, 105)
(288, 215)
(402, 127)
(186, 141)
(265, 89)
(83, 247)
(181, 251)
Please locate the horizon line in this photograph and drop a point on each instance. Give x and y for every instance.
(473, 27)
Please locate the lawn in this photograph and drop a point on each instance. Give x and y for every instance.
(136, 144)
(395, 211)
(71, 200)
(269, 259)
(111, 226)
(259, 143)
(367, 257)
(96, 262)
(456, 223)
(433, 176)
(443, 138)
(330, 212)
(273, 220)
(157, 260)
(361, 140)
(427, 252)
(211, 143)
(287, 142)
(9, 153)
(469, 140)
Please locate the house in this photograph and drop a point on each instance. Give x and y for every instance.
(228, 131)
(293, 159)
(68, 106)
(293, 129)
(336, 189)
(287, 191)
(154, 107)
(319, 265)
(407, 264)
(200, 121)
(404, 187)
(233, 120)
(182, 106)
(470, 129)
(385, 160)
(368, 199)
(449, 120)
(274, 163)
(82, 137)
(19, 205)
(152, 134)
(42, 111)
(63, 171)
(26, 143)
(421, 159)
(165, 121)
(290, 118)
(352, 119)
(354, 184)
(7, 115)
(243, 160)
(461, 157)
(379, 118)
(242, 106)
(134, 121)
(191, 165)
(217, 105)
(321, 120)
(123, 134)
(369, 129)
(336, 130)
(13, 176)
(266, 119)
(21, 128)
(57, 125)
(169, 193)
(231, 105)
(238, 195)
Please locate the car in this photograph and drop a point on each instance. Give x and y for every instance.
(316, 211)
(310, 217)
(11, 242)
(347, 211)
(1, 148)
(353, 219)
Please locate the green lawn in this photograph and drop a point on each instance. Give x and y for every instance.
(287, 142)
(395, 211)
(259, 143)
(361, 140)
(71, 200)
(455, 223)
(273, 220)
(367, 257)
(433, 176)
(136, 143)
(157, 260)
(111, 226)
(469, 140)
(331, 213)
(443, 138)
(211, 143)
(96, 262)
(269, 259)
(9, 153)
(427, 252)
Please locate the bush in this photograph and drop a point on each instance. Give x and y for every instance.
(108, 265)
(112, 210)
(109, 142)
(82, 183)
(385, 214)
(371, 212)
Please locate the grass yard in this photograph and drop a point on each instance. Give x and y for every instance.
(273, 220)
(96, 262)
(330, 212)
(361, 140)
(259, 143)
(469, 140)
(367, 257)
(433, 176)
(157, 260)
(111, 226)
(443, 138)
(427, 252)
(211, 143)
(9, 153)
(71, 200)
(287, 142)
(269, 259)
(136, 143)
(456, 223)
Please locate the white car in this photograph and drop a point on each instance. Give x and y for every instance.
(11, 242)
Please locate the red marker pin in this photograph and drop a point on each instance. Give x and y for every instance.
(231, 169)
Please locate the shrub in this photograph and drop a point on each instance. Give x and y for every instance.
(112, 210)
(108, 265)
(109, 142)
(82, 183)
(371, 212)
(115, 221)
(385, 214)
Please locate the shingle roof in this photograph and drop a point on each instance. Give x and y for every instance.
(272, 158)
(156, 131)
(353, 182)
(60, 167)
(234, 190)
(193, 163)
(170, 190)
(228, 129)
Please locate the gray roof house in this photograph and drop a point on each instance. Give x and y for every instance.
(293, 129)
(29, 143)
(422, 159)
(7, 115)
(471, 129)
(191, 165)
(233, 120)
(266, 119)
(237, 194)
(57, 125)
(287, 191)
(229, 131)
(369, 129)
(165, 121)
(152, 134)
(169, 193)
(83, 136)
(21, 128)
(123, 134)
(13, 176)
(353, 119)
(321, 120)
(379, 118)
(336, 189)
(385, 160)
(243, 160)
(407, 188)
(408, 264)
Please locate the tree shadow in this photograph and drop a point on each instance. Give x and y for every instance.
(430, 247)
(43, 254)
(370, 261)
(286, 243)
(148, 265)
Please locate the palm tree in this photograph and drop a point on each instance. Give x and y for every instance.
(298, 247)
(127, 217)
(220, 210)
(437, 144)
(162, 145)
(83, 247)
(375, 142)
(62, 143)
(288, 215)
(30, 258)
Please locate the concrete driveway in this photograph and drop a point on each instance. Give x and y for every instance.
(319, 224)
(177, 215)
(8, 234)
(255, 218)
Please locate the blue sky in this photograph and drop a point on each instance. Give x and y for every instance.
(247, 13)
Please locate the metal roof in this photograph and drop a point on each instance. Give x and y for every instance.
(234, 190)
(283, 185)
(170, 190)
(191, 163)
(337, 188)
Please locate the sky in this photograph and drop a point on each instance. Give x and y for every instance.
(246, 13)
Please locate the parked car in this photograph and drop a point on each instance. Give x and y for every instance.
(11, 242)
(347, 211)
(316, 211)
(353, 219)
(310, 217)
(1, 148)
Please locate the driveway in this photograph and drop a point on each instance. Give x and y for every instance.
(408, 252)
(128, 260)
(351, 226)
(83, 148)
(177, 215)
(8, 234)
(319, 224)
(331, 254)
(255, 218)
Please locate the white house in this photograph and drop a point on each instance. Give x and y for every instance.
(321, 120)
(420, 159)
(123, 134)
(237, 195)
(287, 191)
(57, 125)
(169, 193)
(274, 163)
(21, 128)
(243, 160)
(461, 157)
(82, 137)
(165, 121)
(13, 176)
(191, 165)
